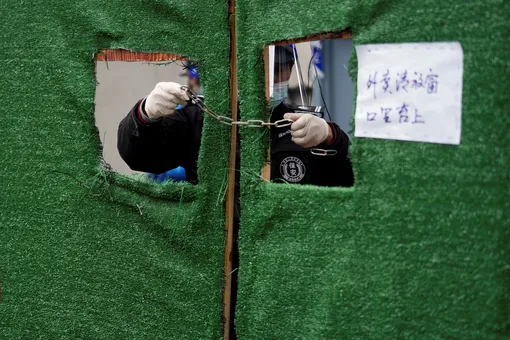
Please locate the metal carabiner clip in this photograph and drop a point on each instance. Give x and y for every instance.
(323, 152)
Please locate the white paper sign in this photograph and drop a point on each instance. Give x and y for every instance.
(410, 92)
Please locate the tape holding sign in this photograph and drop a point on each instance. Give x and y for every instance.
(410, 92)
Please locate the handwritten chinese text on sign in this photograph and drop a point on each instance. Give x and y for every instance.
(410, 92)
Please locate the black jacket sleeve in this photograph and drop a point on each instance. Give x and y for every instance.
(340, 141)
(335, 170)
(155, 147)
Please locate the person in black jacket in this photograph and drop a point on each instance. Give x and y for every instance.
(156, 137)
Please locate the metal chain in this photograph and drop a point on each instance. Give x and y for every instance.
(253, 123)
(229, 121)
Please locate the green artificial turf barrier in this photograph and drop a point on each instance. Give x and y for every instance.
(85, 253)
(420, 246)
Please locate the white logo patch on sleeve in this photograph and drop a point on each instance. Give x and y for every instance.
(292, 169)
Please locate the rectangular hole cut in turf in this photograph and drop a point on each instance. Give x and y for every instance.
(309, 79)
(130, 144)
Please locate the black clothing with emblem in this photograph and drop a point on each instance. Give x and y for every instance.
(175, 141)
(294, 164)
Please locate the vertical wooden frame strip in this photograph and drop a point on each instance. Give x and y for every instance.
(230, 199)
(266, 170)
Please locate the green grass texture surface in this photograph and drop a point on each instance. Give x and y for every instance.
(87, 254)
(419, 248)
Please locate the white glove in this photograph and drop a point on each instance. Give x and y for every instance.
(163, 100)
(307, 130)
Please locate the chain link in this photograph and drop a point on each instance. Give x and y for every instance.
(323, 152)
(253, 123)
(225, 120)
(283, 123)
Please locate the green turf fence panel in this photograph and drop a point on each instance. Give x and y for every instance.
(419, 247)
(85, 253)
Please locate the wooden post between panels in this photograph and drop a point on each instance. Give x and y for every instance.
(230, 199)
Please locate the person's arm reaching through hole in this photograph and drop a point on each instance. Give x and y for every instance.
(155, 137)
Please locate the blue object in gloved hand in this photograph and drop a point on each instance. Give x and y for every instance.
(177, 175)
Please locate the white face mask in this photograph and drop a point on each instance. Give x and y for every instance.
(280, 91)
